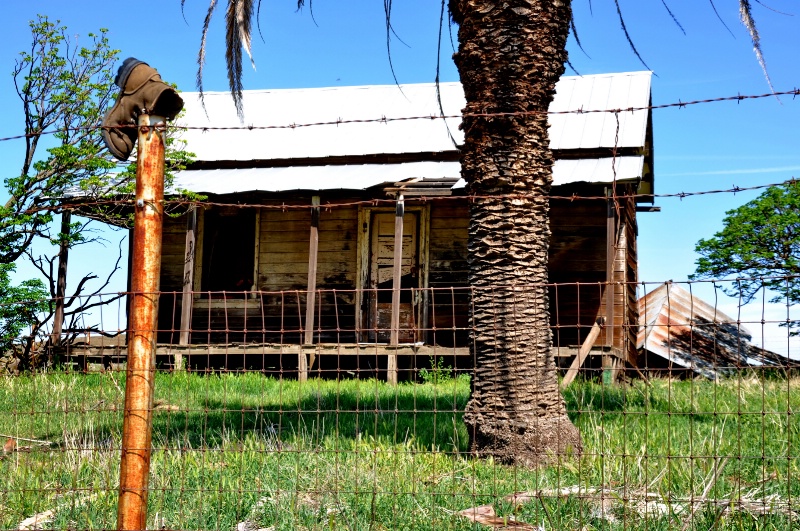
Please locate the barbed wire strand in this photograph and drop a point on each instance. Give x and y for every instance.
(80, 204)
(384, 119)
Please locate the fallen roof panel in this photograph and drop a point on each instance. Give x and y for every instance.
(688, 332)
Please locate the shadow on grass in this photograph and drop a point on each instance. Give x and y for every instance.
(431, 421)
(584, 396)
(209, 411)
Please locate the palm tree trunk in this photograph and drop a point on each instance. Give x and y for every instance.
(510, 56)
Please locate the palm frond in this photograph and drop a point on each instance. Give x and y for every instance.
(300, 4)
(574, 29)
(244, 16)
(674, 18)
(387, 9)
(714, 7)
(572, 68)
(438, 68)
(773, 9)
(233, 54)
(628, 35)
(201, 54)
(183, 13)
(258, 21)
(745, 13)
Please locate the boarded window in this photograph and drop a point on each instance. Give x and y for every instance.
(229, 237)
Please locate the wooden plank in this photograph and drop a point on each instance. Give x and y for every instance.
(362, 266)
(448, 235)
(297, 226)
(331, 245)
(287, 268)
(459, 221)
(313, 247)
(301, 214)
(424, 265)
(586, 347)
(609, 289)
(188, 283)
(198, 251)
(256, 250)
(391, 368)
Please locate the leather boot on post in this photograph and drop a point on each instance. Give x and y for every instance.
(143, 91)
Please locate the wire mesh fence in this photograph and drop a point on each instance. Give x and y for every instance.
(690, 427)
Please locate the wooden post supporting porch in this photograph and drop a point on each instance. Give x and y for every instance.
(313, 251)
(394, 338)
(611, 361)
(187, 300)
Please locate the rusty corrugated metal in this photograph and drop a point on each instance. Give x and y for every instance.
(688, 332)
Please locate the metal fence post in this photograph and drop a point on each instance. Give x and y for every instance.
(145, 269)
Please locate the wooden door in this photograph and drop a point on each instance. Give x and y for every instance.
(381, 276)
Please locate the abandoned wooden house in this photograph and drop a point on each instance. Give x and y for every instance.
(294, 253)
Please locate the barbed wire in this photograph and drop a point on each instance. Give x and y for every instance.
(384, 119)
(80, 204)
(236, 295)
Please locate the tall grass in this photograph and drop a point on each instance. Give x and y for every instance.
(348, 454)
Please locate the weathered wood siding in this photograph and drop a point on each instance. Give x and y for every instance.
(283, 265)
(448, 275)
(626, 308)
(577, 268)
(173, 246)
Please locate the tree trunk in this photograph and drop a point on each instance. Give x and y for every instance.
(510, 57)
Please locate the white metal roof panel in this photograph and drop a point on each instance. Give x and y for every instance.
(334, 177)
(276, 109)
(270, 108)
(600, 92)
(601, 170)
(363, 176)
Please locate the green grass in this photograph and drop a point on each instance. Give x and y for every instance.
(364, 455)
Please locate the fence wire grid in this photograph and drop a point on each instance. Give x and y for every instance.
(689, 427)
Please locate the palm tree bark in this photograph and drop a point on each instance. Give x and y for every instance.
(510, 56)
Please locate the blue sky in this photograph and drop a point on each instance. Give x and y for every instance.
(697, 148)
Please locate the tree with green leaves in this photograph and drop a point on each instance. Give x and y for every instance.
(65, 91)
(19, 306)
(510, 56)
(759, 244)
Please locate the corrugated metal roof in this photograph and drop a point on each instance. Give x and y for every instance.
(347, 176)
(302, 106)
(601, 170)
(596, 93)
(363, 176)
(689, 332)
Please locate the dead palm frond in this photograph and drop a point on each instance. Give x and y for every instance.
(714, 7)
(237, 36)
(745, 13)
(674, 18)
(628, 35)
(240, 13)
